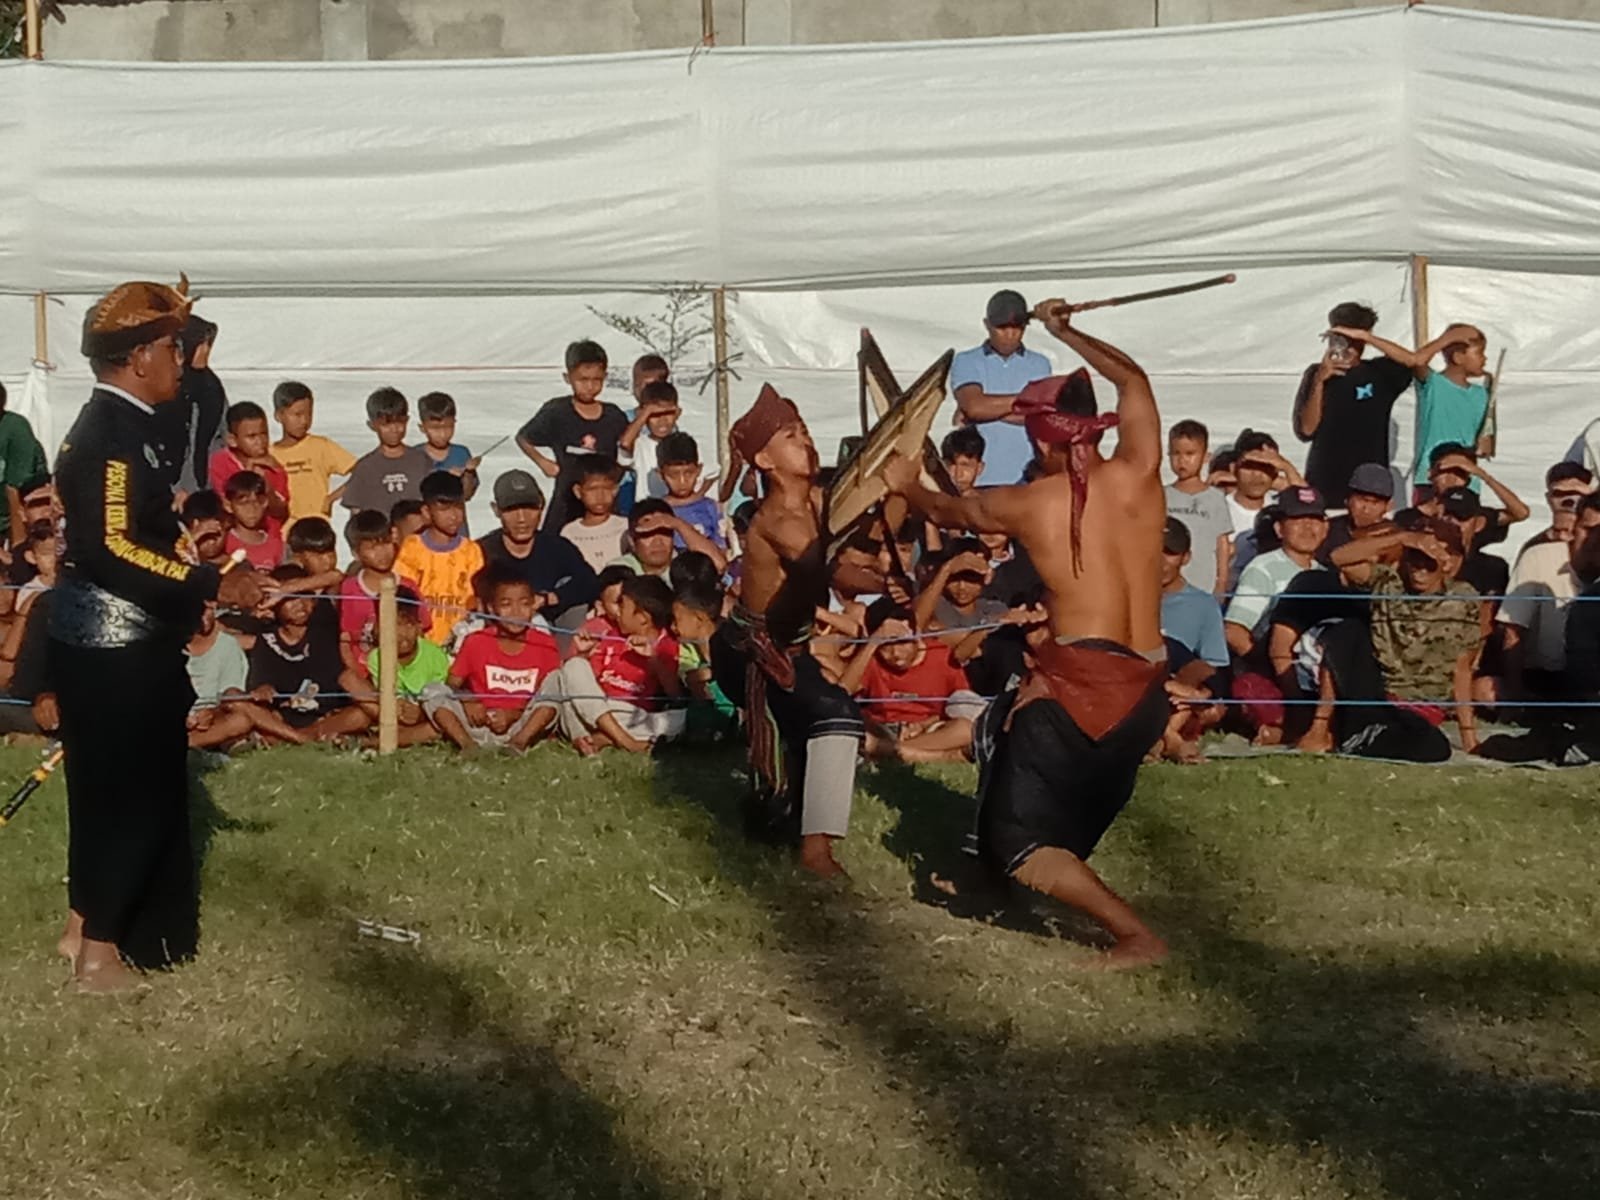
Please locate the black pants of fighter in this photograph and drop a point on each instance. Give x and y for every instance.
(1047, 783)
(813, 710)
(1376, 728)
(129, 859)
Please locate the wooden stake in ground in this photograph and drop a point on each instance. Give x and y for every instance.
(388, 667)
(719, 348)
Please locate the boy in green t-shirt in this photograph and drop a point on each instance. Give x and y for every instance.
(696, 611)
(419, 662)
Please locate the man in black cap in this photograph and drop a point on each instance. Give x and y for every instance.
(127, 602)
(553, 566)
(1367, 499)
(1487, 574)
(986, 379)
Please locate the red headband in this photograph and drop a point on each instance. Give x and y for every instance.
(1039, 404)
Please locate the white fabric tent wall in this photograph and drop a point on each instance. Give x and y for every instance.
(891, 186)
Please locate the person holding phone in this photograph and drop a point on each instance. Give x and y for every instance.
(1344, 404)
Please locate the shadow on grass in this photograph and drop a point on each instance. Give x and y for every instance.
(459, 1105)
(1330, 1057)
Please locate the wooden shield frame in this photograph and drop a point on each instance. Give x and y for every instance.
(879, 392)
(858, 487)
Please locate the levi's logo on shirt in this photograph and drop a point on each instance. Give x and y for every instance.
(511, 679)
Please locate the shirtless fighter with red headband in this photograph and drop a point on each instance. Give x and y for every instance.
(1064, 748)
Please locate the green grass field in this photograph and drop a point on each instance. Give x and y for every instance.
(1385, 983)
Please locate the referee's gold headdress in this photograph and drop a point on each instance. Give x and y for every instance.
(134, 314)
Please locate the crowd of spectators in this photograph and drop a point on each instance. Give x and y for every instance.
(1319, 607)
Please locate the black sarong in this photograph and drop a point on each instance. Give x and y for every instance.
(131, 865)
(1044, 782)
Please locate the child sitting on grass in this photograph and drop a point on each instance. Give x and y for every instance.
(442, 558)
(418, 663)
(436, 413)
(313, 545)
(603, 613)
(499, 672)
(205, 521)
(222, 715)
(39, 556)
(953, 597)
(696, 612)
(920, 707)
(247, 449)
(611, 689)
(295, 668)
(372, 541)
(251, 529)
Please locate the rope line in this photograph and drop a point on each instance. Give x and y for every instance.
(686, 701)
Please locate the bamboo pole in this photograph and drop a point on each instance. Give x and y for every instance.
(41, 329)
(32, 26)
(1419, 300)
(719, 339)
(388, 666)
(708, 22)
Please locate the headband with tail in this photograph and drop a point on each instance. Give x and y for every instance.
(1039, 406)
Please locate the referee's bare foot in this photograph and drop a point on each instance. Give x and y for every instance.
(71, 937)
(1138, 950)
(816, 856)
(99, 970)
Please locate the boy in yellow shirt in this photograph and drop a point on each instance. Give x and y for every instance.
(441, 558)
(309, 458)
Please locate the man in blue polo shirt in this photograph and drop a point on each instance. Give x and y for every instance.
(987, 378)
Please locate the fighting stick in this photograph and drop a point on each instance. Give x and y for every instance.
(1135, 297)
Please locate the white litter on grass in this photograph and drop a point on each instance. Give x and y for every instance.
(387, 933)
(664, 896)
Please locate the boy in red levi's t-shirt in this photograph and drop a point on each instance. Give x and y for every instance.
(612, 689)
(500, 690)
(919, 706)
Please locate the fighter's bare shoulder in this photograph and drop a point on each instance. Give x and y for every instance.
(791, 531)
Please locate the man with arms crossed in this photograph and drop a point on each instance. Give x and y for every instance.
(1066, 757)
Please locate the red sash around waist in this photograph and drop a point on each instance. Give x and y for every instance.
(1098, 683)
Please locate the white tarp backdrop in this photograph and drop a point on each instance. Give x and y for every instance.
(441, 225)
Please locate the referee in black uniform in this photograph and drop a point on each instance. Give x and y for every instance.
(127, 601)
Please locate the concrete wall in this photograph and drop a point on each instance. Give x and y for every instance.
(382, 29)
